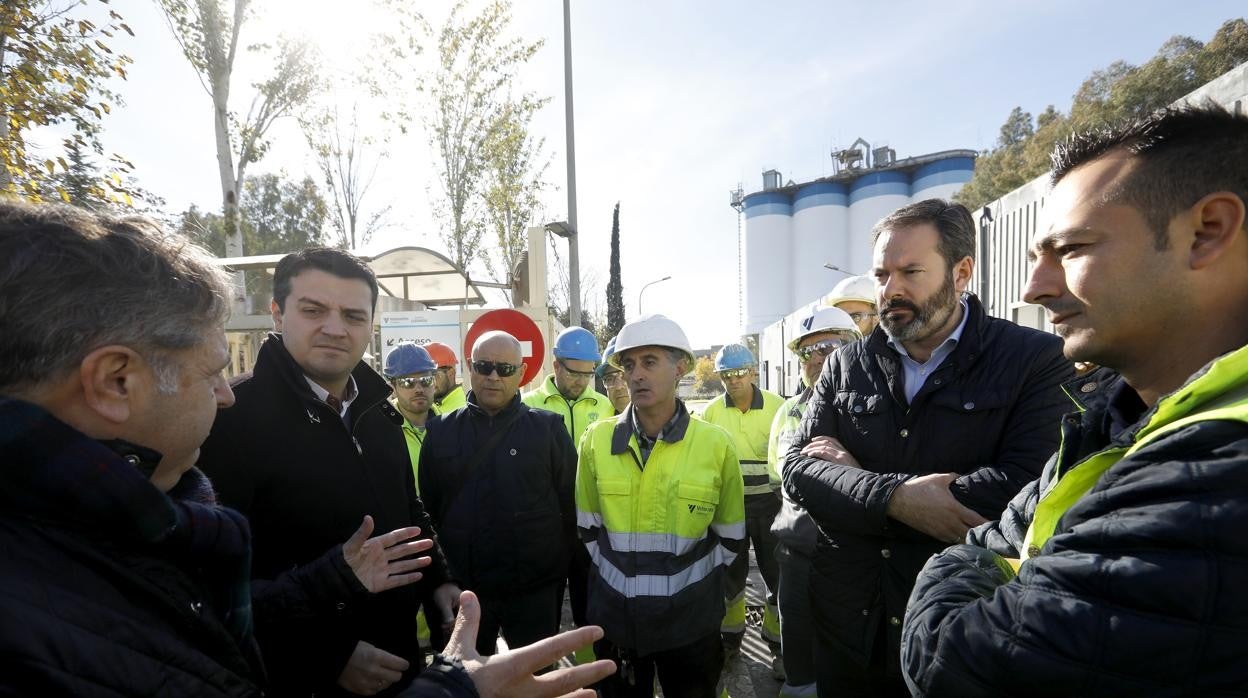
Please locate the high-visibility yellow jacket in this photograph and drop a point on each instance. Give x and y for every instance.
(415, 437)
(750, 431)
(661, 532)
(587, 408)
(452, 401)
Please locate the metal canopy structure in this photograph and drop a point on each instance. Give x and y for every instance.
(406, 273)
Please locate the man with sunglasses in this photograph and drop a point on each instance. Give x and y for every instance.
(746, 411)
(411, 371)
(497, 477)
(818, 335)
(912, 436)
(569, 389)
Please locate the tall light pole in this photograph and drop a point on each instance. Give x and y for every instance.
(643, 290)
(574, 254)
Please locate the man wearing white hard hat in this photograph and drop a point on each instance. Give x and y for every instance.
(818, 335)
(856, 296)
(661, 509)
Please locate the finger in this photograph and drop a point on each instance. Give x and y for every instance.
(391, 663)
(406, 549)
(464, 637)
(559, 683)
(385, 677)
(356, 541)
(409, 565)
(546, 652)
(398, 535)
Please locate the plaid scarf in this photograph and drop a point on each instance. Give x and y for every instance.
(53, 472)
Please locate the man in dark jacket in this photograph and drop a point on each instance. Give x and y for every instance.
(312, 446)
(1122, 569)
(917, 433)
(498, 479)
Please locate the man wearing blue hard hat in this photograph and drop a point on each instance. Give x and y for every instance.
(746, 412)
(569, 390)
(410, 370)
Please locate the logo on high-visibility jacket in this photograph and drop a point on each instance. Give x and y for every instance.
(701, 509)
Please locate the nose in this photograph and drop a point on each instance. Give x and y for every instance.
(334, 325)
(1045, 282)
(223, 392)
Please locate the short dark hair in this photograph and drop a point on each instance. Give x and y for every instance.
(342, 264)
(72, 281)
(952, 221)
(1182, 153)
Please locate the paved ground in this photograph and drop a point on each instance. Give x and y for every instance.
(749, 675)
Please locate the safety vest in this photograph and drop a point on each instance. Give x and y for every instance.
(415, 437)
(783, 434)
(750, 431)
(660, 534)
(452, 401)
(589, 407)
(1220, 393)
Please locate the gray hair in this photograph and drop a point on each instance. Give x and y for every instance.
(72, 281)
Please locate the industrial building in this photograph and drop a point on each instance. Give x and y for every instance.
(798, 240)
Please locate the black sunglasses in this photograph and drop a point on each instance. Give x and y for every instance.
(485, 368)
(409, 383)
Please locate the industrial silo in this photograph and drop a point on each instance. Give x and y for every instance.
(872, 197)
(820, 236)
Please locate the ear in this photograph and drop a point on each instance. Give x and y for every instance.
(1217, 222)
(962, 273)
(277, 315)
(111, 377)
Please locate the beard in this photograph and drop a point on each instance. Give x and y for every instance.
(926, 318)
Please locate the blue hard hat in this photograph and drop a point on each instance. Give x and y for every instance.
(733, 356)
(578, 344)
(408, 358)
(606, 356)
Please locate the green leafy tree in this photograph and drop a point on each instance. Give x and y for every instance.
(1118, 92)
(513, 182)
(467, 92)
(210, 34)
(615, 287)
(705, 380)
(277, 216)
(56, 69)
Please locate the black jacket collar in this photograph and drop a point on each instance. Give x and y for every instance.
(273, 357)
(756, 402)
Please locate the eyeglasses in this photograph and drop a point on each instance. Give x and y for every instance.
(485, 368)
(613, 379)
(734, 373)
(823, 348)
(578, 374)
(409, 383)
(862, 315)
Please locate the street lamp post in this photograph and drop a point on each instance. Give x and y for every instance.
(574, 253)
(833, 267)
(643, 291)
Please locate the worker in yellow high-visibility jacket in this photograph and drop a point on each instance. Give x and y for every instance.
(661, 509)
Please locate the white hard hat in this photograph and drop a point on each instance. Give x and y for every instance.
(651, 331)
(824, 320)
(854, 288)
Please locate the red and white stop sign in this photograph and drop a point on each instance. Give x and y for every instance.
(518, 325)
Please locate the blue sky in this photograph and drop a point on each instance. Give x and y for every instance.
(676, 102)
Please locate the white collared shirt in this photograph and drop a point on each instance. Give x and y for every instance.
(350, 394)
(916, 372)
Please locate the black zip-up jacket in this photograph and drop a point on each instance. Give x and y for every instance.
(1139, 592)
(509, 525)
(987, 413)
(305, 480)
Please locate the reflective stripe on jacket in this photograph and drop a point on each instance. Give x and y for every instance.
(660, 537)
(750, 432)
(589, 407)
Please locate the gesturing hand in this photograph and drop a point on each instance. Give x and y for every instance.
(371, 670)
(377, 562)
(926, 504)
(511, 673)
